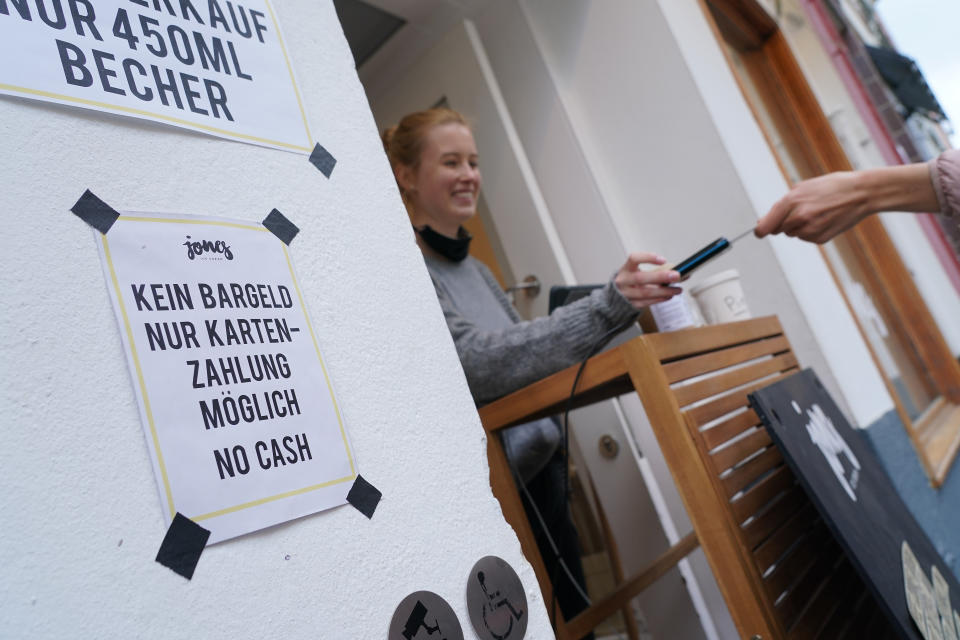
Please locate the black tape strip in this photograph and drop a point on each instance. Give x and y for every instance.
(364, 496)
(281, 226)
(95, 212)
(181, 547)
(321, 159)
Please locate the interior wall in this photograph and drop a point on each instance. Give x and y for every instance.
(577, 205)
(82, 522)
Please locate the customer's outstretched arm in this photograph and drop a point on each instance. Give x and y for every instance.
(820, 208)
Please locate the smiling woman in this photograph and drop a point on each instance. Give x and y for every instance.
(436, 164)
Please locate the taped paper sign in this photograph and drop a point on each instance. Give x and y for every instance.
(217, 66)
(239, 413)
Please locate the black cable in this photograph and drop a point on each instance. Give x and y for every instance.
(565, 428)
(565, 455)
(561, 563)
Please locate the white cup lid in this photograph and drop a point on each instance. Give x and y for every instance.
(715, 279)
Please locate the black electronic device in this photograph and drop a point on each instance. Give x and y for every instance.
(701, 257)
(561, 295)
(709, 252)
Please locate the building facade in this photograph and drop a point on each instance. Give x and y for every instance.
(612, 126)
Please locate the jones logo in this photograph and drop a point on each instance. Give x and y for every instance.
(201, 247)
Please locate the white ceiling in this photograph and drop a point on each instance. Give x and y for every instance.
(426, 22)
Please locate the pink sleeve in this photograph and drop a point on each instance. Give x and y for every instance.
(945, 174)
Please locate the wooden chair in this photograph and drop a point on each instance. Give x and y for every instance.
(780, 572)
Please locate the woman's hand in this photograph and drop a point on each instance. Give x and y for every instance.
(818, 209)
(643, 288)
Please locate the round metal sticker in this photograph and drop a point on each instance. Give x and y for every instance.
(496, 600)
(423, 615)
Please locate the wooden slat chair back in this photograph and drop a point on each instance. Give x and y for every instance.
(780, 571)
(804, 581)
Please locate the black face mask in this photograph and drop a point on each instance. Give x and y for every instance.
(454, 249)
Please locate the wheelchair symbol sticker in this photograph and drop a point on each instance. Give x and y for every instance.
(496, 600)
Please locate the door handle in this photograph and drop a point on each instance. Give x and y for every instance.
(530, 286)
(609, 447)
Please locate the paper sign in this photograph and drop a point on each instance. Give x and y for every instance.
(238, 410)
(912, 587)
(217, 66)
(941, 591)
(928, 603)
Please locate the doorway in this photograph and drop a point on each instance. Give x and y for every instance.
(522, 242)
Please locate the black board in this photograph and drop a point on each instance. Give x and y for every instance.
(561, 295)
(854, 495)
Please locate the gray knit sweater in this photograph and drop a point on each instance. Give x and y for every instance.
(500, 353)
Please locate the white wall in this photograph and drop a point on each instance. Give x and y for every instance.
(82, 522)
(551, 143)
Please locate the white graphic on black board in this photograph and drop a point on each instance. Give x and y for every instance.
(832, 445)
